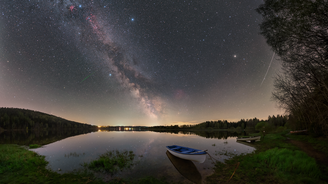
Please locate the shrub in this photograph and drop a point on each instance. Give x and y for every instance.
(259, 126)
(280, 129)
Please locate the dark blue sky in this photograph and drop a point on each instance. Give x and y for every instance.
(136, 62)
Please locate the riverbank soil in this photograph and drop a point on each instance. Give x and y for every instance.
(315, 148)
(321, 157)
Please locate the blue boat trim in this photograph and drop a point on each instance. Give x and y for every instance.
(185, 150)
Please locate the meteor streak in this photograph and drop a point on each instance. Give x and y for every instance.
(268, 68)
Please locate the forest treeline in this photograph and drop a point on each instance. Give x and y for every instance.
(297, 33)
(23, 119)
(272, 121)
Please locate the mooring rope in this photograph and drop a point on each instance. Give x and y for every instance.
(211, 157)
(219, 161)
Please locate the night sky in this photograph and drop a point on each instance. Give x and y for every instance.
(149, 62)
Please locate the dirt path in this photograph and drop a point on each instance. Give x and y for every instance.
(308, 148)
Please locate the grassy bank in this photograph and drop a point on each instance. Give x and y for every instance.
(276, 160)
(19, 165)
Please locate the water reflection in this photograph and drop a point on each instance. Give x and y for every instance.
(66, 151)
(202, 133)
(39, 137)
(149, 148)
(186, 168)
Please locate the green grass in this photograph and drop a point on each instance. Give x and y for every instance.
(274, 161)
(255, 134)
(112, 161)
(272, 166)
(288, 164)
(274, 140)
(19, 165)
(14, 158)
(34, 146)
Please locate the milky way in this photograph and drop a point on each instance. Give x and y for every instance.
(136, 62)
(85, 20)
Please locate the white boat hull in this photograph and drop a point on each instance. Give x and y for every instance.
(196, 157)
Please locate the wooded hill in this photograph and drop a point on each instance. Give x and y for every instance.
(272, 121)
(13, 119)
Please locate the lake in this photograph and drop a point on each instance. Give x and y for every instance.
(149, 147)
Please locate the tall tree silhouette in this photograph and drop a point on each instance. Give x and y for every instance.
(297, 32)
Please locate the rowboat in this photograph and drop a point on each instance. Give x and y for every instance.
(246, 143)
(187, 153)
(252, 139)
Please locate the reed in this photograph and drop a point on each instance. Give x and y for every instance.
(112, 161)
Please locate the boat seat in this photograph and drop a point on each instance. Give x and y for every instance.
(186, 150)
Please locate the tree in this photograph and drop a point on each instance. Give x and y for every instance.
(297, 32)
(225, 124)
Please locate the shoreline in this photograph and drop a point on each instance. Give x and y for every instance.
(260, 166)
(31, 167)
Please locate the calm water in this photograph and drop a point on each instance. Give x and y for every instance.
(68, 154)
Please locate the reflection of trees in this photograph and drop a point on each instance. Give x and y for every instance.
(167, 131)
(46, 137)
(214, 134)
(37, 137)
(206, 134)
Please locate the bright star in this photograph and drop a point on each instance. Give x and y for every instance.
(110, 74)
(80, 6)
(132, 19)
(235, 56)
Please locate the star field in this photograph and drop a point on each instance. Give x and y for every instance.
(136, 62)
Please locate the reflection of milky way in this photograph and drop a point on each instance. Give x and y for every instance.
(84, 21)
